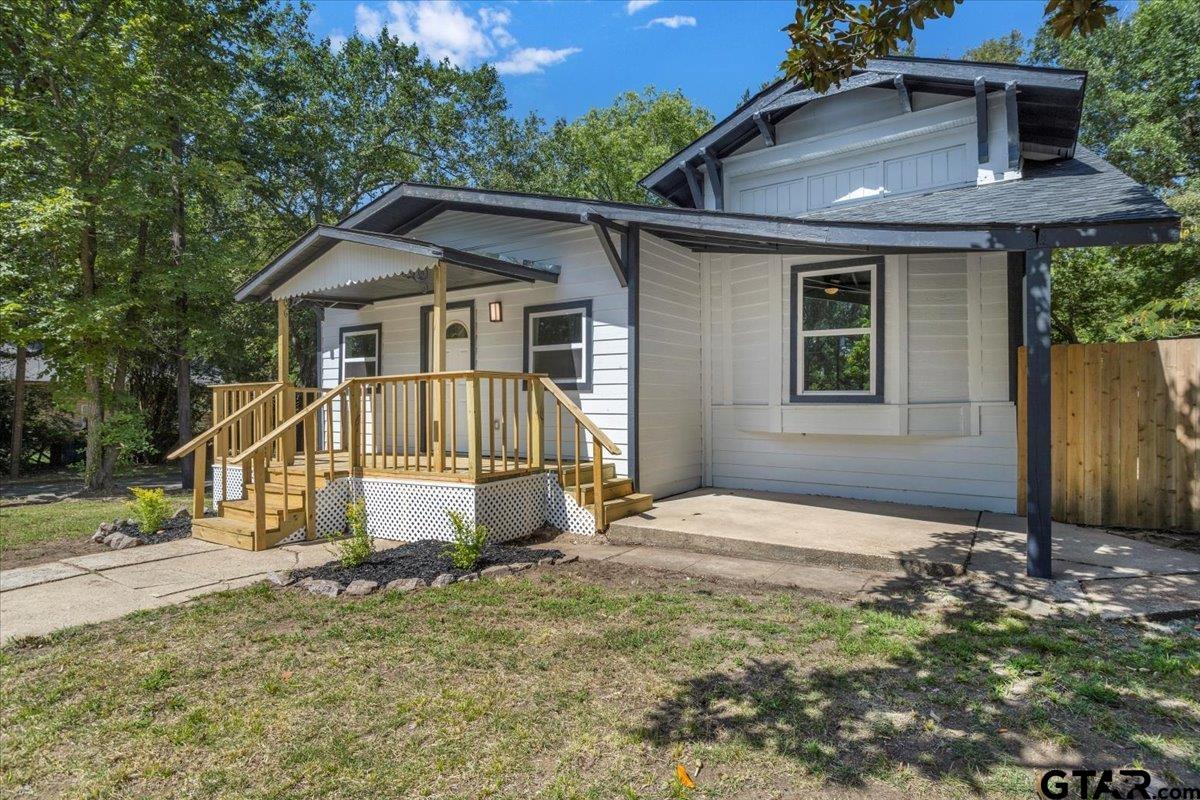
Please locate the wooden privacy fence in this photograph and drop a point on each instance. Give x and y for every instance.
(1125, 434)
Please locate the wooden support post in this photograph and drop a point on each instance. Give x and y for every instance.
(198, 466)
(598, 485)
(310, 476)
(260, 500)
(281, 346)
(537, 424)
(438, 361)
(474, 430)
(1037, 414)
(354, 429)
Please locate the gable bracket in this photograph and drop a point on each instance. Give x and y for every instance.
(693, 181)
(904, 95)
(981, 119)
(1014, 132)
(604, 228)
(766, 129)
(712, 167)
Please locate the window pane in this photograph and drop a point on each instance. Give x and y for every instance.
(558, 329)
(456, 330)
(361, 345)
(837, 301)
(561, 365)
(837, 363)
(358, 369)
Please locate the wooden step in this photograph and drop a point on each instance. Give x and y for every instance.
(237, 533)
(627, 506)
(585, 474)
(613, 488)
(277, 518)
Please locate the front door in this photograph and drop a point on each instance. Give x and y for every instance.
(458, 359)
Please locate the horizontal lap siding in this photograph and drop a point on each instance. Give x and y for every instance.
(670, 421)
(956, 328)
(586, 275)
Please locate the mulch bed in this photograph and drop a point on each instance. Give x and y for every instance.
(421, 559)
(177, 527)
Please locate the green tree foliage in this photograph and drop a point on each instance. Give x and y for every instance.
(605, 152)
(832, 38)
(1140, 113)
(1008, 49)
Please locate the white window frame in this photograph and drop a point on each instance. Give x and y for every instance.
(799, 335)
(584, 310)
(347, 333)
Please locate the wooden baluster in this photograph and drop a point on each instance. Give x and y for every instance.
(352, 438)
(310, 475)
(223, 438)
(558, 439)
(578, 481)
(198, 480)
(537, 420)
(329, 434)
(404, 419)
(598, 484)
(259, 460)
(491, 416)
(516, 424)
(285, 476)
(376, 424)
(452, 436)
(504, 423)
(343, 420)
(474, 431)
(429, 425)
(395, 419)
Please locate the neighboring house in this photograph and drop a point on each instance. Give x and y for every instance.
(831, 304)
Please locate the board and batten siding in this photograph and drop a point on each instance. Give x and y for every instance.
(586, 275)
(670, 410)
(945, 434)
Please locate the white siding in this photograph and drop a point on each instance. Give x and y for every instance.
(946, 434)
(670, 418)
(586, 275)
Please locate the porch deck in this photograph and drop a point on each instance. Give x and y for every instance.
(456, 467)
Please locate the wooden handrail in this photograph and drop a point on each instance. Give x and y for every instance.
(220, 424)
(282, 428)
(576, 412)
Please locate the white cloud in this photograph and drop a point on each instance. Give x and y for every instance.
(634, 6)
(445, 29)
(337, 41)
(677, 21)
(533, 59)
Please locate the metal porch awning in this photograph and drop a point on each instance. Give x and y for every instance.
(348, 268)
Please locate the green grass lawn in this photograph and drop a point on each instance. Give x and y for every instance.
(589, 682)
(29, 528)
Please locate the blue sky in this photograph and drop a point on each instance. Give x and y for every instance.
(562, 58)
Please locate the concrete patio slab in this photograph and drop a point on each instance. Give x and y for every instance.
(141, 555)
(738, 569)
(1080, 553)
(32, 576)
(82, 600)
(658, 558)
(159, 579)
(1151, 597)
(822, 531)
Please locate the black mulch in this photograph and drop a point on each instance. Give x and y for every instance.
(179, 527)
(421, 559)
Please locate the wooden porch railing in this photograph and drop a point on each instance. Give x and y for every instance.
(470, 426)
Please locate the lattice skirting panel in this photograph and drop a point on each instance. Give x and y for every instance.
(331, 511)
(227, 484)
(564, 513)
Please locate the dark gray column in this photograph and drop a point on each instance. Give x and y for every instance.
(1037, 415)
(633, 264)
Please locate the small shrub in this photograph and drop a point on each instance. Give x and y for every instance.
(468, 544)
(356, 548)
(150, 508)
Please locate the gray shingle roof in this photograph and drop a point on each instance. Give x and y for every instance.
(1081, 190)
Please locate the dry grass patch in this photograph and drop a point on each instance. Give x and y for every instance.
(585, 683)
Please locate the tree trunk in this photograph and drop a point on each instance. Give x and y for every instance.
(18, 420)
(96, 478)
(183, 374)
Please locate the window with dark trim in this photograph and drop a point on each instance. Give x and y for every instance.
(359, 353)
(558, 342)
(837, 332)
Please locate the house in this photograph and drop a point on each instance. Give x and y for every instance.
(830, 302)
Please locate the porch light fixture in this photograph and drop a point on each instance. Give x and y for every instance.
(831, 290)
(495, 311)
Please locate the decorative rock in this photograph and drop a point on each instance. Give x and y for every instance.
(566, 560)
(406, 584)
(280, 578)
(496, 570)
(445, 579)
(323, 588)
(521, 566)
(470, 576)
(545, 562)
(361, 588)
(119, 541)
(181, 514)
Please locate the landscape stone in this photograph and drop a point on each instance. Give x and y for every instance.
(406, 584)
(470, 576)
(566, 559)
(445, 579)
(119, 541)
(280, 578)
(323, 588)
(361, 587)
(496, 570)
(521, 566)
(545, 562)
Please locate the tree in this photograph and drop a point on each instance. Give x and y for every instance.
(832, 38)
(1008, 49)
(604, 153)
